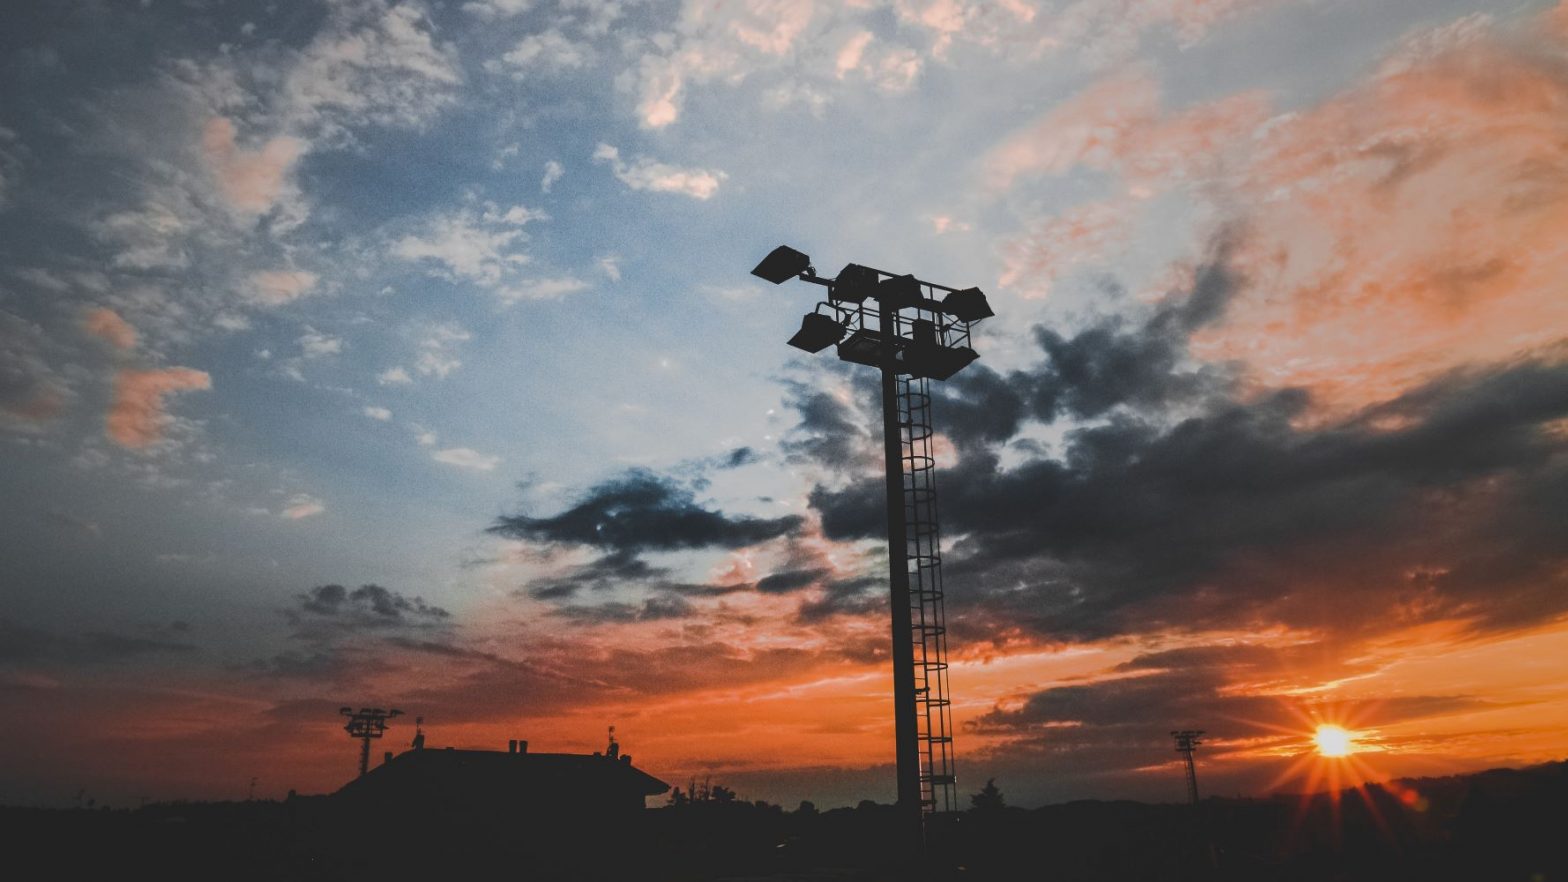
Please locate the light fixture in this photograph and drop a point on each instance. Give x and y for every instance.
(968, 305)
(782, 264)
(899, 292)
(854, 284)
(817, 332)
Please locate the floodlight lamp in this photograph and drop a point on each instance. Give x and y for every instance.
(782, 264)
(968, 305)
(817, 332)
(937, 362)
(862, 347)
(854, 283)
(899, 292)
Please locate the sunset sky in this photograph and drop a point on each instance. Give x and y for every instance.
(405, 354)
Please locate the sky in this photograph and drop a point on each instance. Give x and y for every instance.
(405, 355)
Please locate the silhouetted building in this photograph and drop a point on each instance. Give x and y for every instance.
(448, 783)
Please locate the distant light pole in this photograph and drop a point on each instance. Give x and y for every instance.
(365, 724)
(911, 337)
(1186, 743)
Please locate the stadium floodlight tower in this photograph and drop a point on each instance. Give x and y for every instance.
(365, 724)
(1186, 743)
(914, 332)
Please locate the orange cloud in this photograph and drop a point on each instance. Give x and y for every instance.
(252, 180)
(137, 416)
(1410, 224)
(106, 324)
(1119, 126)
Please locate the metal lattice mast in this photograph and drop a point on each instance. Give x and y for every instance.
(911, 331)
(1187, 742)
(365, 724)
(923, 538)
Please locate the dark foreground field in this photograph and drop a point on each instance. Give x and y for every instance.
(1498, 825)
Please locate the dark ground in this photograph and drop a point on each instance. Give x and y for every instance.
(1499, 825)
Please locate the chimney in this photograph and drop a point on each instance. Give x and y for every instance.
(626, 759)
(511, 746)
(522, 746)
(386, 757)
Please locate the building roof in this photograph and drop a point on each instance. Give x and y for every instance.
(496, 772)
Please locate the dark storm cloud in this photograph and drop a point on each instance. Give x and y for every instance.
(738, 457)
(1144, 366)
(370, 604)
(1185, 506)
(785, 581)
(21, 644)
(1238, 515)
(651, 610)
(830, 432)
(981, 406)
(845, 597)
(640, 511)
(603, 573)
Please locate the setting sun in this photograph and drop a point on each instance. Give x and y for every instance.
(1333, 741)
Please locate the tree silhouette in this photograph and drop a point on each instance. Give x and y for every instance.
(989, 798)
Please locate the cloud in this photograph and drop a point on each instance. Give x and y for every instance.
(372, 63)
(788, 581)
(435, 357)
(21, 644)
(10, 164)
(1248, 696)
(646, 174)
(463, 457)
(651, 610)
(315, 344)
(302, 505)
(394, 376)
(378, 413)
(32, 392)
(832, 432)
(1181, 498)
(136, 418)
(489, 10)
(278, 287)
(467, 245)
(252, 181)
(542, 289)
(640, 511)
(1412, 199)
(107, 325)
(738, 457)
(544, 53)
(372, 600)
(553, 171)
(66, 519)
(616, 569)
(331, 619)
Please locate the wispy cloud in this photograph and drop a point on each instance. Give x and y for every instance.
(466, 458)
(643, 173)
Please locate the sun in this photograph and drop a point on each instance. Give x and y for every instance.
(1333, 740)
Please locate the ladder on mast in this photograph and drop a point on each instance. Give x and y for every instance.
(933, 706)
